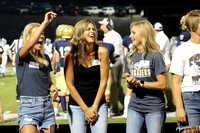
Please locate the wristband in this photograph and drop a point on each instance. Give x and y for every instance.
(141, 83)
(94, 106)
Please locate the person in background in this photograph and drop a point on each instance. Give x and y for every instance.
(112, 60)
(186, 77)
(127, 43)
(1, 105)
(185, 34)
(48, 48)
(14, 47)
(146, 76)
(7, 52)
(163, 41)
(86, 73)
(116, 92)
(61, 48)
(33, 67)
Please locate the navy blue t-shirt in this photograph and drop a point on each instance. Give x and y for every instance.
(31, 78)
(62, 47)
(142, 99)
(109, 47)
(126, 42)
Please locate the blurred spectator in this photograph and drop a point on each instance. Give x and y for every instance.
(113, 37)
(127, 43)
(163, 41)
(111, 50)
(185, 34)
(48, 49)
(173, 44)
(14, 47)
(6, 52)
(61, 47)
(1, 105)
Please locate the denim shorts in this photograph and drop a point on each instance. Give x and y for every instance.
(78, 124)
(191, 102)
(36, 111)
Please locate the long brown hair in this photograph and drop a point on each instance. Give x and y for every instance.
(78, 41)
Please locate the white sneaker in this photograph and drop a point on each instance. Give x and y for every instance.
(57, 114)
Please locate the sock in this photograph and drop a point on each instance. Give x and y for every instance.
(126, 101)
(63, 103)
(56, 110)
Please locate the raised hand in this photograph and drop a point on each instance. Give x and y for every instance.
(49, 16)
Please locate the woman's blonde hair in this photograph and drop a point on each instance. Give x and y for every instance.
(192, 20)
(26, 35)
(148, 36)
(78, 41)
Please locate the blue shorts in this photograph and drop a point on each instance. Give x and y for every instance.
(36, 111)
(191, 102)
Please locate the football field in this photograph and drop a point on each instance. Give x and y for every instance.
(8, 97)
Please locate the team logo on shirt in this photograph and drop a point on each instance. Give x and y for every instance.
(194, 64)
(140, 69)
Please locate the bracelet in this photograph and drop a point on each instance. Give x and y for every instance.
(94, 106)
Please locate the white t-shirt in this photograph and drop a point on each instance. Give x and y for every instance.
(116, 40)
(186, 63)
(48, 50)
(4, 55)
(163, 41)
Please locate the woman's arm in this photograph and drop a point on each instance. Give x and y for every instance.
(160, 84)
(53, 88)
(104, 70)
(36, 35)
(176, 89)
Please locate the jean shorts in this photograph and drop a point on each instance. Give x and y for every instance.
(191, 102)
(36, 111)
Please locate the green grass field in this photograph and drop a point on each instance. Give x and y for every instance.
(8, 97)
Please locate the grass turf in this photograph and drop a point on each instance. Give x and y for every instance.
(8, 97)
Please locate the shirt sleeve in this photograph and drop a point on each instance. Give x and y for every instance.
(159, 64)
(126, 69)
(177, 64)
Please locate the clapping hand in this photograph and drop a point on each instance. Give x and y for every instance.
(131, 81)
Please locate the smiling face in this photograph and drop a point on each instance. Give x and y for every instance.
(135, 36)
(40, 43)
(90, 33)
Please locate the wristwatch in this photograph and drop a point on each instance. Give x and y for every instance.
(141, 83)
